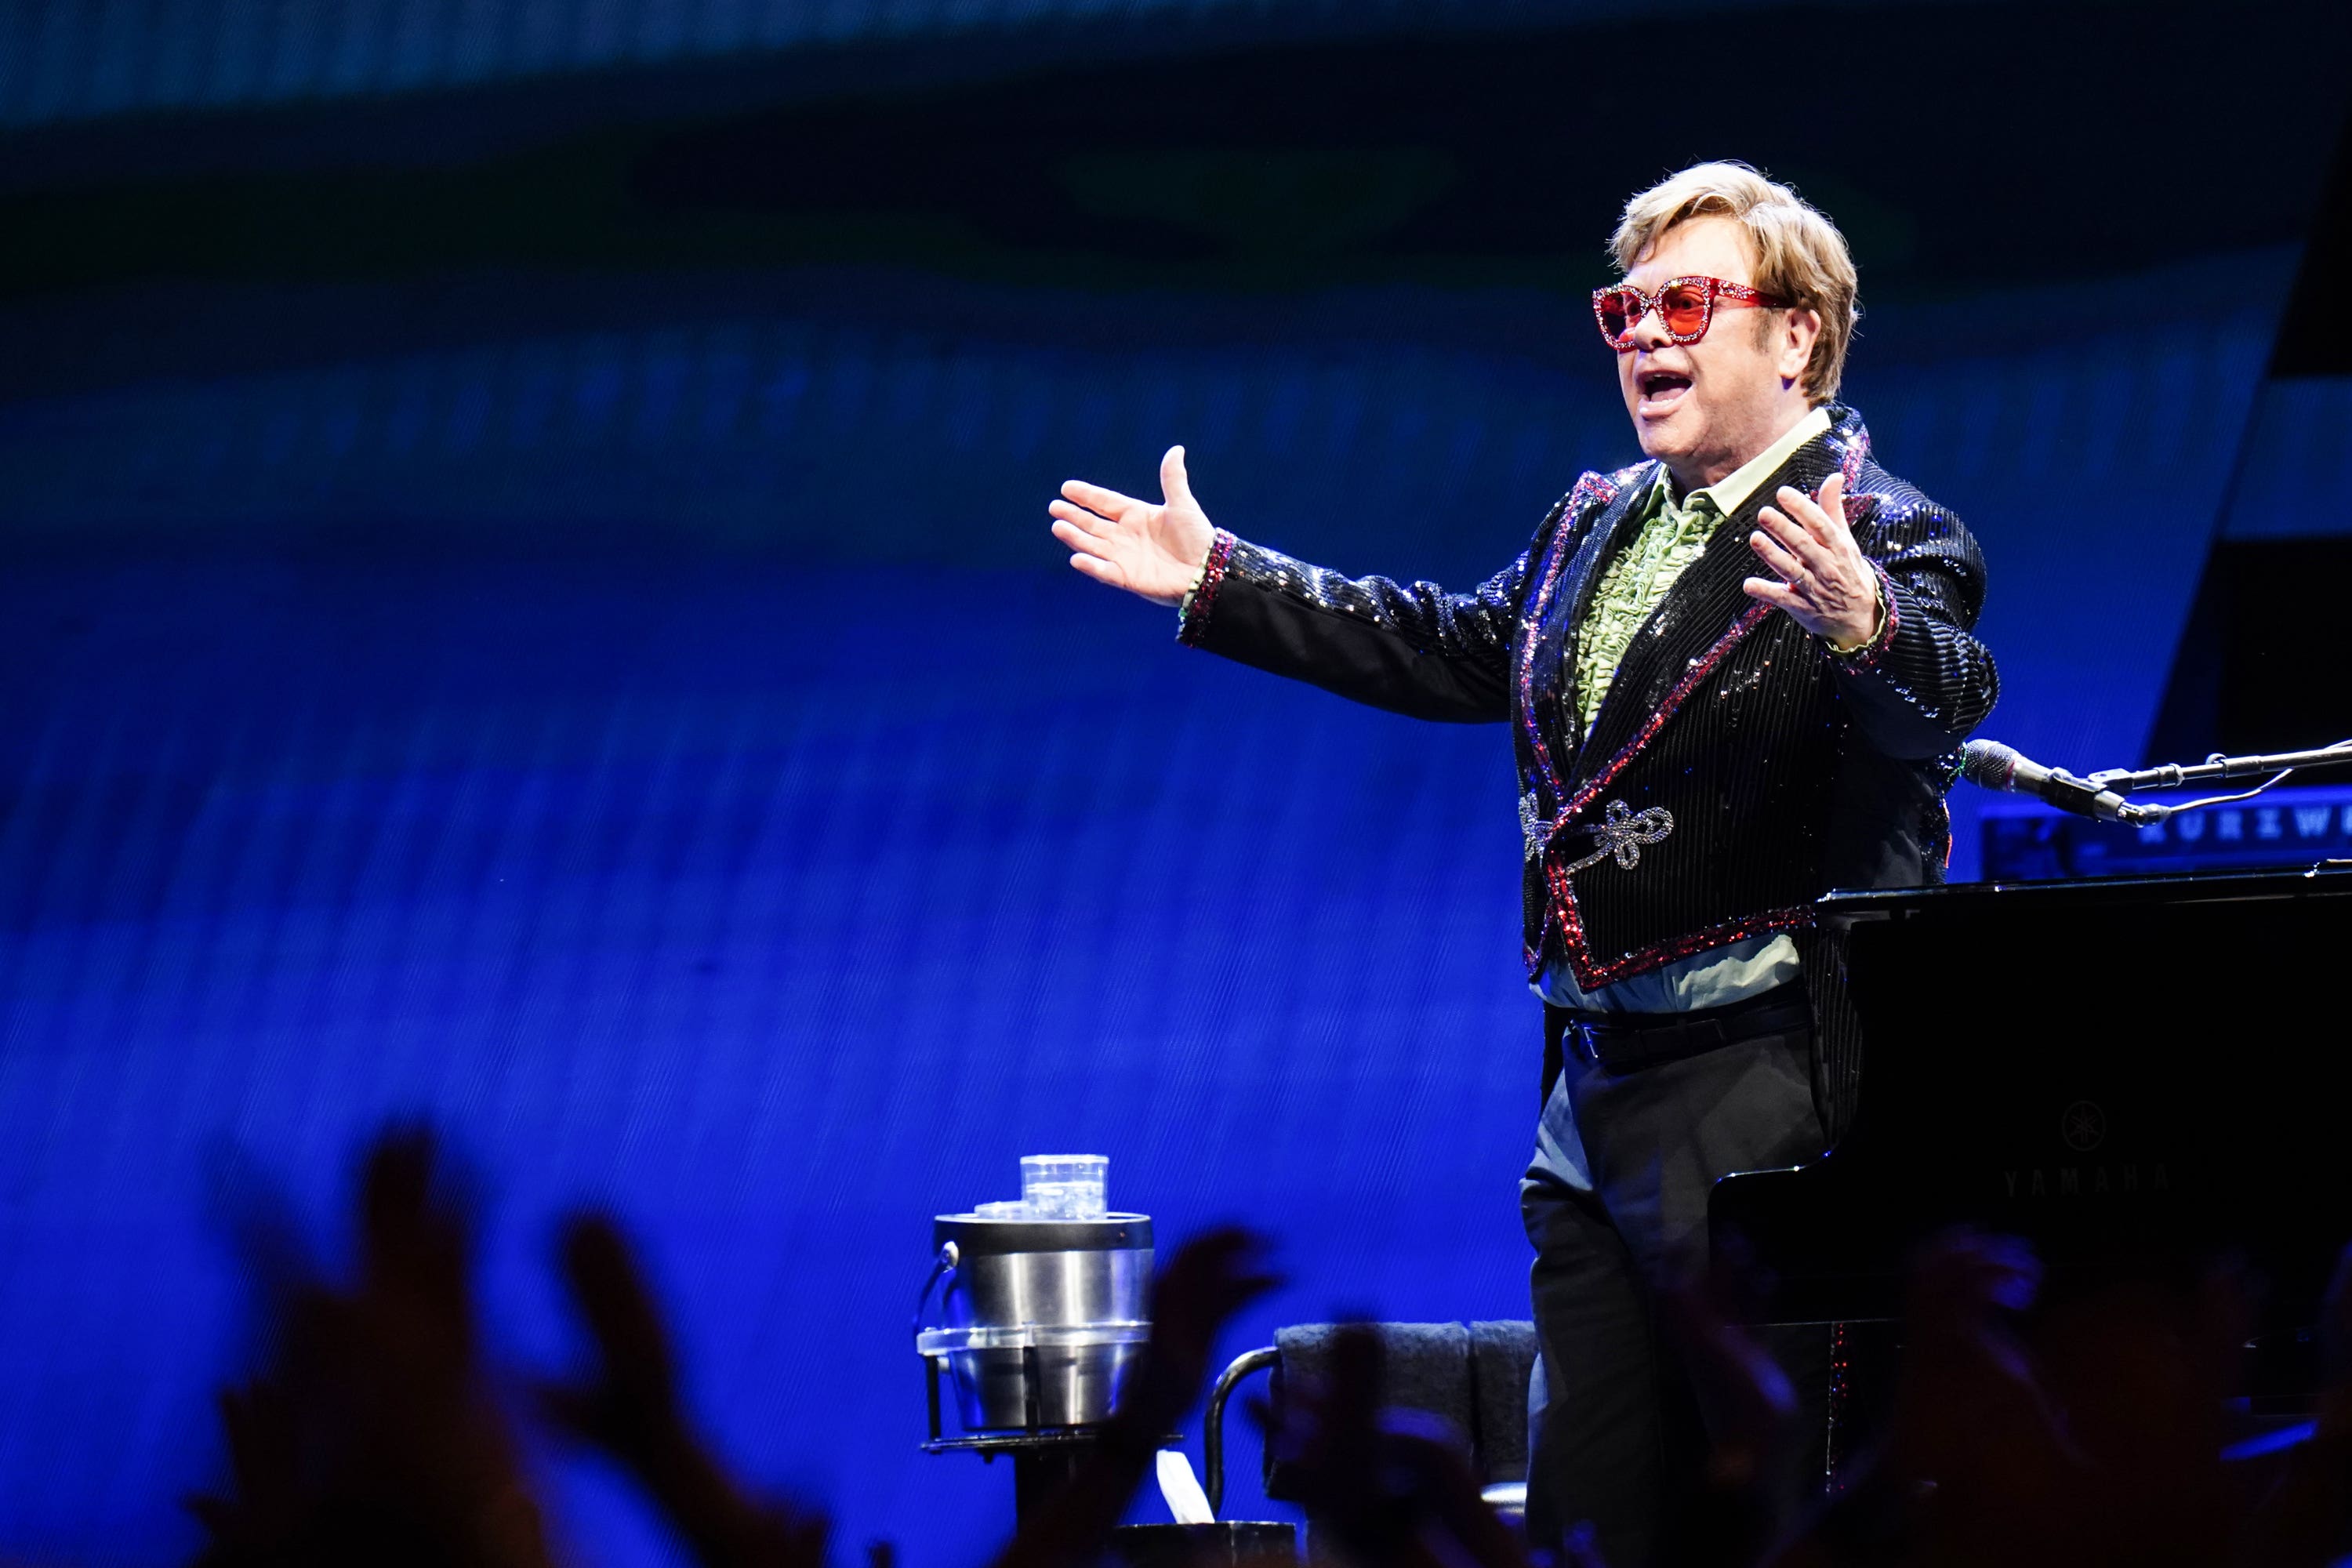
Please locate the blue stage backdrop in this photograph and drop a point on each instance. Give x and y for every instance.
(63, 60)
(675, 762)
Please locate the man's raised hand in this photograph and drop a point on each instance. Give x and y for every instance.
(1149, 550)
(1824, 581)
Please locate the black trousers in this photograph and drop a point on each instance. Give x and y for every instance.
(1616, 1203)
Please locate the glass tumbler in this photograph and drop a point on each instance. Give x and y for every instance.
(1064, 1186)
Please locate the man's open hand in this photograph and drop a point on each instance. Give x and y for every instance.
(1825, 583)
(1149, 550)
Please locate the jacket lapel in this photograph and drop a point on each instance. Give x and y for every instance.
(1552, 662)
(1706, 612)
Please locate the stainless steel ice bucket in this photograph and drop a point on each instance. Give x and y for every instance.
(1038, 1318)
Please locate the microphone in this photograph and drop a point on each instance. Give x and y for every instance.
(1989, 765)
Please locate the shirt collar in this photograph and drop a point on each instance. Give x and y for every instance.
(1730, 493)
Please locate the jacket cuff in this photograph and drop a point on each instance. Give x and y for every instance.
(1192, 615)
(1890, 617)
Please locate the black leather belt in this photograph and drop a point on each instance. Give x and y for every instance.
(1627, 1042)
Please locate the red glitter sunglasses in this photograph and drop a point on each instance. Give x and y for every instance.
(1685, 306)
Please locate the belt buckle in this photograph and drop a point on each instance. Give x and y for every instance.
(1586, 1041)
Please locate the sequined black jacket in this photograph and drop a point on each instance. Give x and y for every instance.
(1784, 769)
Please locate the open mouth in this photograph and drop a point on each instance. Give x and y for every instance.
(1661, 389)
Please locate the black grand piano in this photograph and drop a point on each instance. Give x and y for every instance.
(2132, 1074)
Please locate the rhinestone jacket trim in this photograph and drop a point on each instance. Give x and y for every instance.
(1592, 492)
(1204, 597)
(1590, 974)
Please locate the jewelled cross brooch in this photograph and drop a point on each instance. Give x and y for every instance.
(1620, 832)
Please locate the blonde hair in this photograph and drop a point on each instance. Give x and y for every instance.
(1800, 257)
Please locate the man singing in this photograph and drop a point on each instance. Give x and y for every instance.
(1735, 675)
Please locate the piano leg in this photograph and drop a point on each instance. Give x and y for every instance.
(1860, 1389)
(1833, 1453)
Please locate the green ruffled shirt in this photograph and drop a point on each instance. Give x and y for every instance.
(1672, 537)
(1674, 534)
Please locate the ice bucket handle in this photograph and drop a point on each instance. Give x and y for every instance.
(942, 1266)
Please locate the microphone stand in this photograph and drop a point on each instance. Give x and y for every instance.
(2173, 776)
(2214, 769)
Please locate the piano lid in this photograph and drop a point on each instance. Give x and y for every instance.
(2327, 879)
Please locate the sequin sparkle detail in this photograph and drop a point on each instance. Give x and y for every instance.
(1700, 669)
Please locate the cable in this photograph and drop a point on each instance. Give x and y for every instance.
(2226, 799)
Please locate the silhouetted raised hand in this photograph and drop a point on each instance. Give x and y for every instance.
(1387, 1488)
(377, 1438)
(629, 1408)
(1203, 1285)
(1756, 1452)
(267, 1509)
(1970, 1415)
(2306, 1520)
(1976, 1465)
